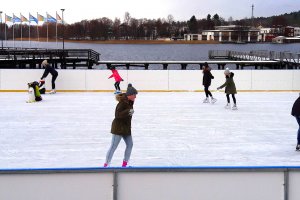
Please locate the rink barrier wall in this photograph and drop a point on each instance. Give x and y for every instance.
(148, 183)
(12, 80)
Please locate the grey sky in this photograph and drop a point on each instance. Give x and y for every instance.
(180, 9)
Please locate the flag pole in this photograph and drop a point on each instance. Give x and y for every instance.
(21, 32)
(29, 32)
(37, 30)
(1, 30)
(5, 31)
(13, 31)
(56, 30)
(47, 26)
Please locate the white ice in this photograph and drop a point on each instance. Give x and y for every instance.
(69, 130)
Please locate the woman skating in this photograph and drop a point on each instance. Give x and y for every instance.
(207, 76)
(230, 89)
(121, 125)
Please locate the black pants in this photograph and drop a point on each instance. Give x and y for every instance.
(53, 81)
(233, 98)
(117, 86)
(207, 92)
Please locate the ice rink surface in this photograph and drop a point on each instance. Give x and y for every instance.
(169, 129)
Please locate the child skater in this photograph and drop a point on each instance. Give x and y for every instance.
(207, 76)
(121, 125)
(229, 89)
(117, 78)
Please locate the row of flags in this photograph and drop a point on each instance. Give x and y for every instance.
(39, 18)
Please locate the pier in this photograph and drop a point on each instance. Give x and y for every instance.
(253, 59)
(183, 64)
(284, 60)
(33, 57)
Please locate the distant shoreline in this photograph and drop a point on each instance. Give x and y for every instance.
(126, 41)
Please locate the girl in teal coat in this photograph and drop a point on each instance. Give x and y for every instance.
(229, 89)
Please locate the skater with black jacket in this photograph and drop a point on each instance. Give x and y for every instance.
(296, 114)
(230, 88)
(52, 71)
(207, 76)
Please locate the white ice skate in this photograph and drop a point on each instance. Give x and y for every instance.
(31, 96)
(227, 106)
(117, 92)
(52, 92)
(206, 100)
(213, 100)
(234, 107)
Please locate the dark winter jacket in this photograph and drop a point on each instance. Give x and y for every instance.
(296, 108)
(121, 125)
(207, 76)
(49, 69)
(229, 84)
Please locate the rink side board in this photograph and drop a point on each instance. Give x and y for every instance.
(218, 183)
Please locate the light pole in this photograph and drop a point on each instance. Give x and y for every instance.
(1, 30)
(63, 36)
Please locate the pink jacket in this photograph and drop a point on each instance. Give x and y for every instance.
(116, 75)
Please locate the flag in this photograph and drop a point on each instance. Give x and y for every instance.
(40, 18)
(8, 18)
(58, 18)
(50, 18)
(33, 19)
(23, 19)
(16, 19)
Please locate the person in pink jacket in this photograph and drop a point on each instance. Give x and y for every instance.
(117, 78)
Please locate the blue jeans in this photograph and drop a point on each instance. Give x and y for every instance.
(298, 120)
(114, 144)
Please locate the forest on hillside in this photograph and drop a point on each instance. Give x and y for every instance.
(141, 29)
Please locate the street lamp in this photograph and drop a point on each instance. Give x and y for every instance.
(63, 36)
(1, 29)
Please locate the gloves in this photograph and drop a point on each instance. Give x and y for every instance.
(131, 111)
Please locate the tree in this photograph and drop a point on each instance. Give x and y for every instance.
(193, 25)
(216, 20)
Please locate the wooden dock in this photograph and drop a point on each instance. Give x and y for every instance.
(183, 64)
(285, 60)
(33, 57)
(253, 59)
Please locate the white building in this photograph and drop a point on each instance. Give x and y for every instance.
(192, 37)
(296, 31)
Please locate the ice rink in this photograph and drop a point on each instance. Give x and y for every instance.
(169, 129)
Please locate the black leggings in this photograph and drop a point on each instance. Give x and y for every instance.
(117, 85)
(233, 98)
(207, 92)
(53, 81)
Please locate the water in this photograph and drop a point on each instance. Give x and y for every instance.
(157, 52)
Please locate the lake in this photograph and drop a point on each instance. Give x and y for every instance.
(171, 52)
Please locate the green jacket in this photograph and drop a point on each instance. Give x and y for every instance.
(121, 125)
(229, 84)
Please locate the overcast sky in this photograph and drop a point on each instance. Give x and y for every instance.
(181, 10)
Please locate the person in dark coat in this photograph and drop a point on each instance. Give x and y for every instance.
(296, 114)
(121, 125)
(52, 71)
(229, 88)
(207, 76)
